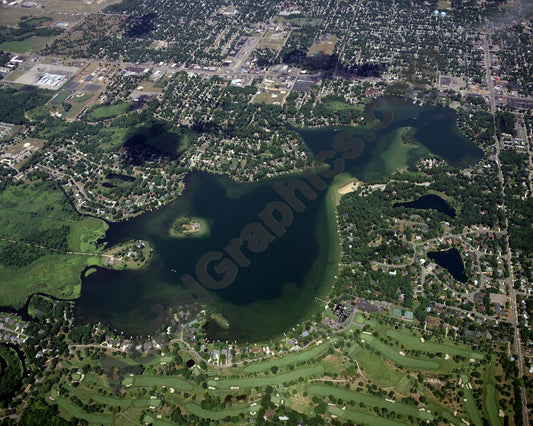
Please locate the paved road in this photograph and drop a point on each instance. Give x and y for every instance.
(510, 281)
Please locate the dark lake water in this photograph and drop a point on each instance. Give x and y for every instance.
(429, 202)
(452, 261)
(279, 286)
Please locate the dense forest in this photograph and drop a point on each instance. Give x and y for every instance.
(15, 103)
(10, 371)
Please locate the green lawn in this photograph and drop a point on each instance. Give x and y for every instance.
(278, 379)
(303, 355)
(81, 97)
(32, 44)
(370, 401)
(59, 99)
(108, 111)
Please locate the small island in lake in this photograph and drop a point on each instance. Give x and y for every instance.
(189, 227)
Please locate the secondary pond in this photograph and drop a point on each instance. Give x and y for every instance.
(452, 261)
(276, 275)
(429, 202)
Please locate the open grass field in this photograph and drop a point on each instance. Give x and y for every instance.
(32, 45)
(270, 98)
(304, 355)
(324, 46)
(361, 418)
(62, 97)
(81, 97)
(76, 5)
(12, 76)
(77, 108)
(394, 356)
(114, 138)
(169, 382)
(10, 16)
(371, 401)
(273, 40)
(276, 380)
(108, 111)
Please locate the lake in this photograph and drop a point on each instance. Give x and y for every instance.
(429, 202)
(279, 285)
(452, 261)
